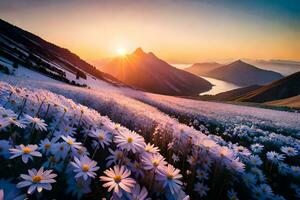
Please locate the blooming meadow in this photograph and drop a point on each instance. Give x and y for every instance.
(49, 142)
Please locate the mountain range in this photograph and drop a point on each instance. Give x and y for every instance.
(238, 72)
(146, 71)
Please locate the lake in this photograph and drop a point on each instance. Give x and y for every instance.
(219, 86)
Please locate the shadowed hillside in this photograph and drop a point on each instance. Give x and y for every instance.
(148, 72)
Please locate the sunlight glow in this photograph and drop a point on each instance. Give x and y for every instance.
(121, 51)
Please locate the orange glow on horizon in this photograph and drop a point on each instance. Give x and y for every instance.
(182, 32)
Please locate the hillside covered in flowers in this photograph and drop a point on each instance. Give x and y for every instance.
(119, 143)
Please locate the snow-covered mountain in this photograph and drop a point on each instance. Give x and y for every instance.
(148, 72)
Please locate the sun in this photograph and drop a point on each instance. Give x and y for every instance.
(121, 51)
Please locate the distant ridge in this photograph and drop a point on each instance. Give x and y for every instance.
(202, 68)
(238, 72)
(148, 72)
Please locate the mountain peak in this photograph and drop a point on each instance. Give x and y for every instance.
(239, 61)
(139, 51)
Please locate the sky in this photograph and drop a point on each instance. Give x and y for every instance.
(178, 31)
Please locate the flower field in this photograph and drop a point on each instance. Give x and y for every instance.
(49, 143)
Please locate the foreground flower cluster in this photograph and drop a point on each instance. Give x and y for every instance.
(48, 143)
(229, 158)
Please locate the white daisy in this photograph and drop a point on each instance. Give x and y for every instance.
(130, 141)
(138, 193)
(37, 180)
(46, 145)
(14, 121)
(257, 148)
(152, 161)
(223, 152)
(27, 152)
(102, 137)
(65, 130)
(242, 151)
(71, 142)
(275, 157)
(255, 160)
(39, 124)
(84, 167)
(60, 150)
(150, 148)
(289, 151)
(170, 177)
(116, 157)
(117, 179)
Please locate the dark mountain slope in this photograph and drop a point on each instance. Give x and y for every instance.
(148, 72)
(284, 88)
(26, 48)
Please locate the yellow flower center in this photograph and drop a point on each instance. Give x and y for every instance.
(170, 176)
(155, 162)
(130, 140)
(117, 178)
(67, 129)
(26, 150)
(101, 137)
(36, 179)
(70, 142)
(47, 146)
(85, 168)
